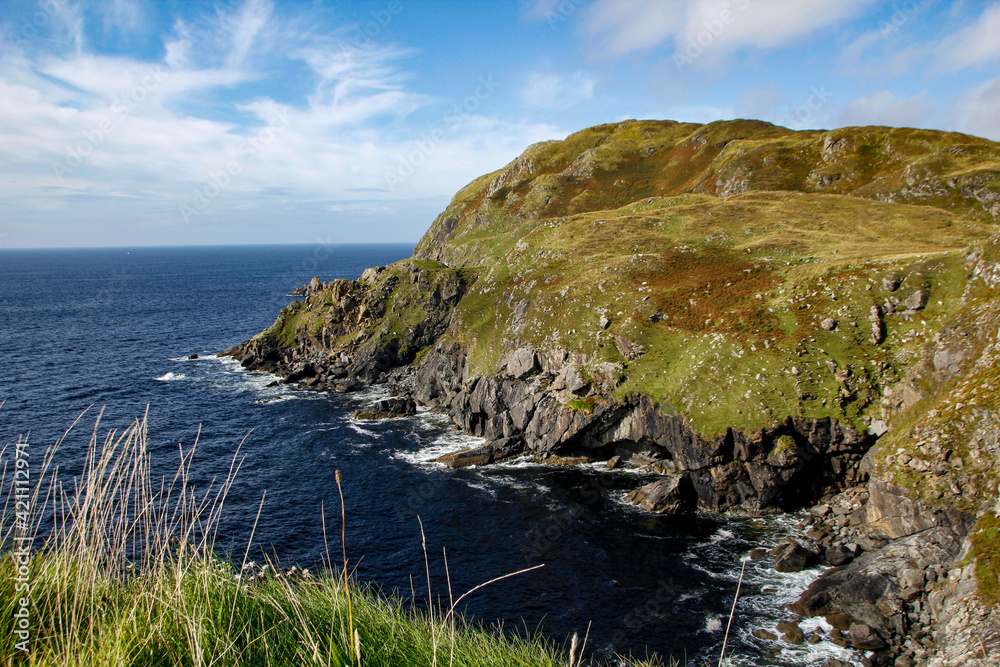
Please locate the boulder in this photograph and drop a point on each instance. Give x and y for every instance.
(838, 555)
(791, 633)
(794, 558)
(494, 451)
(866, 638)
(761, 633)
(669, 495)
(829, 324)
(522, 363)
(387, 408)
(918, 300)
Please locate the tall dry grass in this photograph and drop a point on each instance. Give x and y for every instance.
(124, 571)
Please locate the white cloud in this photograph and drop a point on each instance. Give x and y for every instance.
(716, 27)
(976, 43)
(114, 144)
(976, 113)
(550, 90)
(888, 108)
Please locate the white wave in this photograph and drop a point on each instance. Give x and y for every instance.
(358, 429)
(170, 377)
(721, 535)
(447, 443)
(274, 399)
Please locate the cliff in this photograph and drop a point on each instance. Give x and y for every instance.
(766, 317)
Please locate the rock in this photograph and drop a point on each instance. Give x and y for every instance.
(838, 555)
(793, 558)
(304, 371)
(669, 495)
(192, 356)
(494, 451)
(761, 633)
(829, 324)
(891, 282)
(605, 322)
(866, 638)
(791, 632)
(758, 553)
(388, 408)
(522, 363)
(614, 463)
(349, 385)
(918, 300)
(877, 324)
(629, 349)
(833, 662)
(878, 427)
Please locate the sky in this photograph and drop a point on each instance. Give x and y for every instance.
(133, 122)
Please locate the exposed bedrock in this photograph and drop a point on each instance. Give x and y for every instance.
(531, 407)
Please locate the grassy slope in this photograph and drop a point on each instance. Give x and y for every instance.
(625, 221)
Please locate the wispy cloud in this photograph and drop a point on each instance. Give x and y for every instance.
(549, 90)
(132, 142)
(975, 44)
(622, 27)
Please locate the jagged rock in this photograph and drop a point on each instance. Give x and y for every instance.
(791, 633)
(829, 324)
(522, 362)
(388, 408)
(866, 638)
(918, 300)
(614, 463)
(628, 349)
(794, 558)
(761, 633)
(495, 451)
(891, 282)
(349, 385)
(838, 554)
(877, 324)
(669, 495)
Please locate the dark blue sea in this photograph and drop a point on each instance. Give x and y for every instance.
(112, 330)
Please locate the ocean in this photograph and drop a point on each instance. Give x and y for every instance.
(109, 332)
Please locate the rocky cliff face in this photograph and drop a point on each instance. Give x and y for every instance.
(769, 319)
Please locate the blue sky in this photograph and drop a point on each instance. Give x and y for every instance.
(131, 122)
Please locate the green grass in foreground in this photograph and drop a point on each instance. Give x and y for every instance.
(128, 577)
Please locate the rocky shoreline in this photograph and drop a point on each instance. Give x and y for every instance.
(767, 335)
(897, 588)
